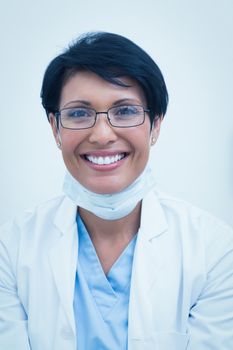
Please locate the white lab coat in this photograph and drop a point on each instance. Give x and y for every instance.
(181, 289)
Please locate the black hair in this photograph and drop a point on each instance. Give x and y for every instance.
(110, 56)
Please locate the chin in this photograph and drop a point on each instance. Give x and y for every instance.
(106, 188)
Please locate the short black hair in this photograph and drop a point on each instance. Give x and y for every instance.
(110, 56)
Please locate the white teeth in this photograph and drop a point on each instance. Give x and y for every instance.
(105, 160)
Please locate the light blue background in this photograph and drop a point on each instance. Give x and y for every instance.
(192, 41)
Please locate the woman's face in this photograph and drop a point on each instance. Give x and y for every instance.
(81, 149)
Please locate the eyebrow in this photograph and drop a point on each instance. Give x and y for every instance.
(88, 104)
(123, 100)
(84, 102)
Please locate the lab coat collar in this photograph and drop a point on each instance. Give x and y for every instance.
(63, 256)
(151, 212)
(66, 216)
(147, 268)
(153, 220)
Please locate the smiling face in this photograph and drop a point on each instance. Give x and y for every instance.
(104, 159)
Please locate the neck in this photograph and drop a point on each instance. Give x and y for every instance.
(112, 206)
(112, 230)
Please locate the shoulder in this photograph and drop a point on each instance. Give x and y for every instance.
(197, 228)
(31, 235)
(184, 211)
(27, 221)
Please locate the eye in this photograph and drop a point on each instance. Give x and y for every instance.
(126, 111)
(78, 113)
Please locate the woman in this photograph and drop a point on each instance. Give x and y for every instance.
(114, 263)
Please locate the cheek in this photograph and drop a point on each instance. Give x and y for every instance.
(68, 147)
(69, 150)
(142, 140)
(70, 140)
(139, 136)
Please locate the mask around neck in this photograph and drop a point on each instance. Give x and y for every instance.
(109, 206)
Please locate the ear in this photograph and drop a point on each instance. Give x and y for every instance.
(155, 130)
(55, 129)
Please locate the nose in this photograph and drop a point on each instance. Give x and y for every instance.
(102, 132)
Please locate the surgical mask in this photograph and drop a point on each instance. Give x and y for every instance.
(110, 206)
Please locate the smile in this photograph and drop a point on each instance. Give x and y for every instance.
(105, 160)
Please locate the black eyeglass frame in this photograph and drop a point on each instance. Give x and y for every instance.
(58, 117)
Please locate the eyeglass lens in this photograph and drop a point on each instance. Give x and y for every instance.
(119, 116)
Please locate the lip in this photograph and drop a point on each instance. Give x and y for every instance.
(104, 153)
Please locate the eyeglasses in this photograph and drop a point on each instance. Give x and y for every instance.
(77, 118)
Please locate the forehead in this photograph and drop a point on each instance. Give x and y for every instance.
(87, 86)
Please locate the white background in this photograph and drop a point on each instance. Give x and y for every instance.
(192, 42)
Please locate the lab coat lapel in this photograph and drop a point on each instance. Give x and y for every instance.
(147, 266)
(63, 257)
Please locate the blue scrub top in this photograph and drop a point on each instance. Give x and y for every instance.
(101, 302)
